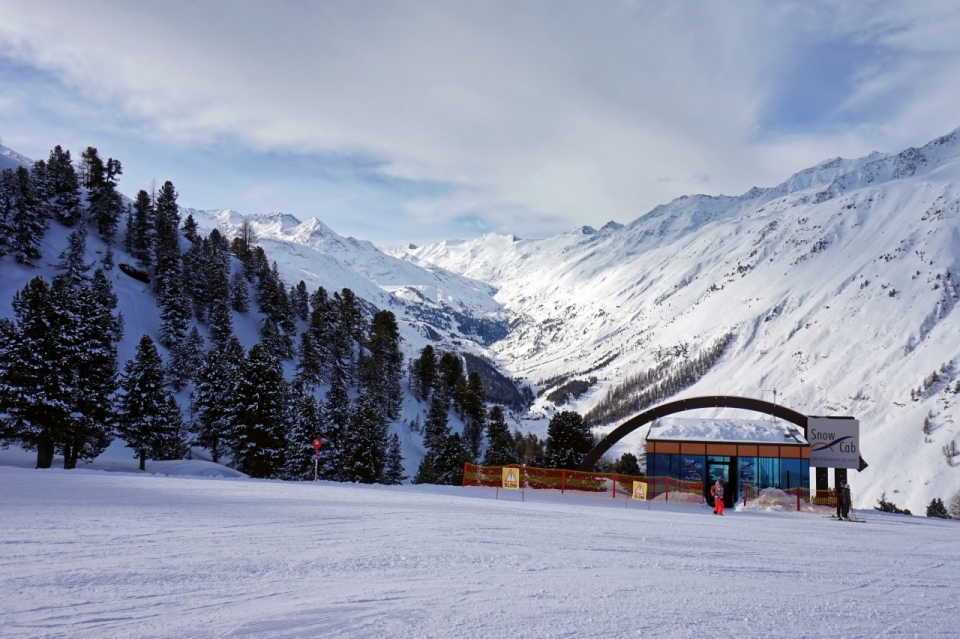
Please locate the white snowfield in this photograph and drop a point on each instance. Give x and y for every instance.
(94, 554)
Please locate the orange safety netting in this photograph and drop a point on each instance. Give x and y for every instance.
(613, 484)
(797, 498)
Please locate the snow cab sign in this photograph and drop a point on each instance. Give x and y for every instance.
(834, 442)
(511, 478)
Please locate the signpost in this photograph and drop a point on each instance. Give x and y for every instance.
(510, 478)
(316, 455)
(834, 442)
(640, 492)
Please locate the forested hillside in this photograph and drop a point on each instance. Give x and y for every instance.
(124, 319)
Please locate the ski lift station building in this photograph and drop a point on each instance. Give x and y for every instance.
(758, 453)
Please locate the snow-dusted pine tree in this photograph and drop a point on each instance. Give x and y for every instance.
(143, 419)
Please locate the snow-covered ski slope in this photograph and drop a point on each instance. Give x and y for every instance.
(92, 554)
(840, 286)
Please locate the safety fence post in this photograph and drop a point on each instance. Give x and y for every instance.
(666, 489)
(563, 481)
(614, 485)
(798, 498)
(464, 482)
(746, 489)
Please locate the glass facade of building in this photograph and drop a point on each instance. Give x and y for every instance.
(758, 472)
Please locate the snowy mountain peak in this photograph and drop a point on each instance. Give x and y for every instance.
(10, 159)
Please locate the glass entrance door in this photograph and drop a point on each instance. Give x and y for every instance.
(720, 468)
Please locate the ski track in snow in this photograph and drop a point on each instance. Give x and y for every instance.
(94, 554)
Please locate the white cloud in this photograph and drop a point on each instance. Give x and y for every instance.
(541, 116)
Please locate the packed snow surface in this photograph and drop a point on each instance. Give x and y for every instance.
(94, 554)
(726, 430)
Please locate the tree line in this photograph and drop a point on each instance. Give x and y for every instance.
(659, 382)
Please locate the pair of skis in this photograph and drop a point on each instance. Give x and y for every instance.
(852, 518)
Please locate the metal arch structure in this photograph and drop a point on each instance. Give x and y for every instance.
(693, 403)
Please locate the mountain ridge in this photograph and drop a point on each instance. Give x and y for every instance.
(839, 284)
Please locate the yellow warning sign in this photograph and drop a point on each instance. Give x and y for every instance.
(640, 490)
(511, 478)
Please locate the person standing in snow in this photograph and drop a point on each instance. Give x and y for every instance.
(845, 501)
(717, 491)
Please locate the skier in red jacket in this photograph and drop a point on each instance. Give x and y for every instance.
(717, 491)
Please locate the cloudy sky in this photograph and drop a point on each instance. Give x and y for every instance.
(419, 121)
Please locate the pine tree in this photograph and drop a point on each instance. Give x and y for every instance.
(568, 441)
(64, 203)
(27, 218)
(186, 359)
(309, 364)
(98, 331)
(215, 287)
(307, 425)
(423, 373)
(73, 261)
(954, 506)
(628, 465)
(299, 301)
(937, 509)
(322, 320)
(336, 412)
(382, 370)
(257, 440)
(365, 445)
(276, 342)
(436, 428)
(104, 202)
(36, 383)
(143, 420)
(221, 324)
(444, 464)
(214, 397)
(166, 220)
(239, 295)
(7, 199)
(141, 230)
(174, 314)
(473, 409)
(345, 334)
(190, 229)
(393, 469)
(195, 279)
(450, 376)
(175, 442)
(59, 369)
(501, 449)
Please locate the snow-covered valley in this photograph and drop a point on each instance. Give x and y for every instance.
(838, 286)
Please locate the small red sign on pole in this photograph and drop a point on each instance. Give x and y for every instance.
(316, 455)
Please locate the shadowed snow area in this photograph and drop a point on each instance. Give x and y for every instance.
(94, 554)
